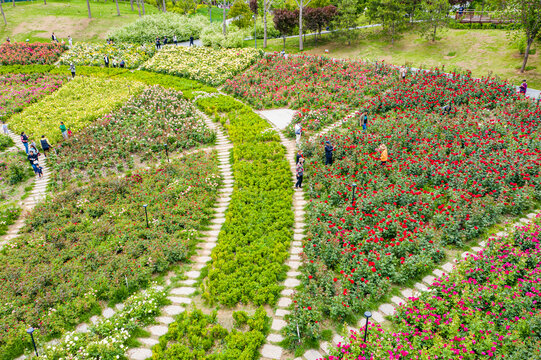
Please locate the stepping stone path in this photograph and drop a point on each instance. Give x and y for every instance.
(37, 194)
(180, 297)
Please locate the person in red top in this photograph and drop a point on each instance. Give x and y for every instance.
(384, 154)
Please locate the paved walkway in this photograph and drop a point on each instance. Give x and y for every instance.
(181, 296)
(37, 194)
(279, 118)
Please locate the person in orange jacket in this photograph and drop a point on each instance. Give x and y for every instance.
(384, 154)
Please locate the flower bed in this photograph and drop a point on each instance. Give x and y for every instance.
(135, 133)
(77, 104)
(20, 90)
(325, 89)
(93, 54)
(449, 178)
(93, 240)
(146, 29)
(25, 54)
(248, 262)
(203, 64)
(488, 308)
(195, 335)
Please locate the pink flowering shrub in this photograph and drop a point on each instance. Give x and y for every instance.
(26, 54)
(488, 308)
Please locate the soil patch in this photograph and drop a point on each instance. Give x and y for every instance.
(61, 25)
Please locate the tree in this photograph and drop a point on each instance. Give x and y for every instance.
(285, 22)
(317, 18)
(88, 6)
(117, 8)
(391, 14)
(240, 11)
(301, 4)
(526, 13)
(3, 15)
(164, 7)
(346, 19)
(434, 14)
(131, 4)
(266, 7)
(253, 8)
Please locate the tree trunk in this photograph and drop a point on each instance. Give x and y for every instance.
(3, 15)
(224, 29)
(284, 43)
(131, 4)
(210, 11)
(164, 8)
(13, 1)
(530, 41)
(117, 8)
(138, 8)
(265, 8)
(301, 47)
(392, 34)
(434, 34)
(143, 6)
(88, 6)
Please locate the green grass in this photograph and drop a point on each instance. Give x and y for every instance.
(216, 13)
(36, 21)
(481, 51)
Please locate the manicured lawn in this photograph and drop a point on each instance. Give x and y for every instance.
(481, 51)
(35, 21)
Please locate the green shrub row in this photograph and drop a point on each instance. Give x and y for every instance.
(196, 336)
(248, 263)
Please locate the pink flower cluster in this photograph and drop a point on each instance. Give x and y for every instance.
(26, 54)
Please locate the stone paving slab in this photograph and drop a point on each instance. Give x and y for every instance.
(378, 317)
(148, 342)
(337, 339)
(165, 320)
(312, 355)
(482, 244)
(421, 287)
(284, 302)
(278, 117)
(271, 351)
(183, 291)
(179, 300)
(387, 309)
(397, 300)
(139, 354)
(448, 267)
(293, 274)
(157, 330)
(172, 310)
(438, 272)
(282, 312)
(291, 283)
(408, 293)
(287, 292)
(193, 274)
(275, 338)
(429, 279)
(278, 324)
(294, 264)
(325, 347)
(107, 313)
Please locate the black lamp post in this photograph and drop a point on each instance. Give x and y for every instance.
(30, 330)
(146, 214)
(368, 315)
(353, 194)
(166, 152)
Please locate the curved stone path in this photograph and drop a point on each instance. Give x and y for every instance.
(37, 194)
(180, 296)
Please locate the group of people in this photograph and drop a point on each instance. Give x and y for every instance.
(166, 41)
(54, 38)
(107, 62)
(33, 153)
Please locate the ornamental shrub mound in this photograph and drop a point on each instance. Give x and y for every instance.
(78, 103)
(488, 308)
(91, 244)
(26, 54)
(135, 134)
(93, 54)
(146, 29)
(207, 65)
(20, 90)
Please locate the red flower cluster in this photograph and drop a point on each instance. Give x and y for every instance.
(26, 54)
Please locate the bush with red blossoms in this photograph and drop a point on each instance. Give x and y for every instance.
(26, 54)
(488, 308)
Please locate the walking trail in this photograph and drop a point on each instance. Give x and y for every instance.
(37, 194)
(181, 297)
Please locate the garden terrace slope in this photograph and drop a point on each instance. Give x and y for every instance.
(133, 55)
(248, 262)
(91, 243)
(448, 178)
(135, 134)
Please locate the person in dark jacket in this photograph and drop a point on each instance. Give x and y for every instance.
(45, 145)
(300, 173)
(106, 60)
(328, 152)
(24, 140)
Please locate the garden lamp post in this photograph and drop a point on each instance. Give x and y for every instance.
(255, 33)
(353, 194)
(146, 214)
(30, 330)
(166, 152)
(368, 315)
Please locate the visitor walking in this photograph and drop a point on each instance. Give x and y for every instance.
(122, 64)
(191, 40)
(403, 72)
(298, 157)
(5, 128)
(33, 147)
(8, 40)
(72, 70)
(70, 41)
(33, 159)
(54, 38)
(523, 87)
(364, 120)
(300, 173)
(64, 130)
(106, 60)
(328, 152)
(298, 132)
(24, 140)
(384, 154)
(175, 40)
(158, 44)
(70, 134)
(45, 145)
(446, 110)
(165, 41)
